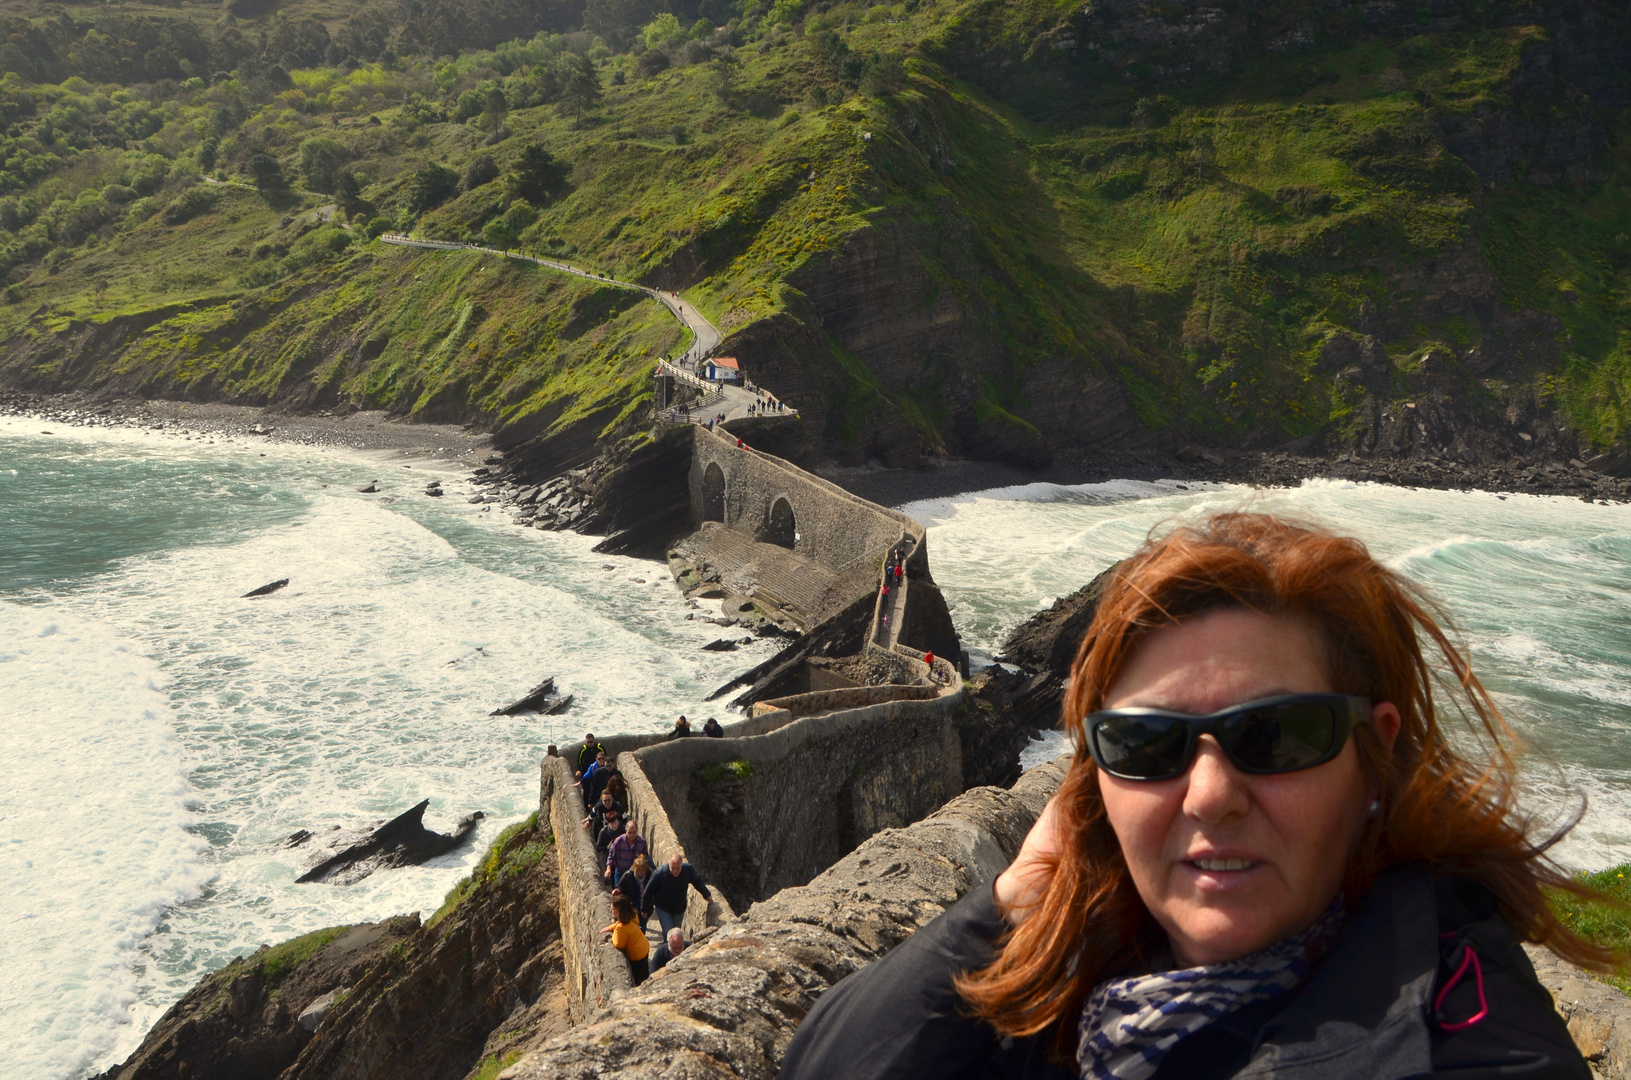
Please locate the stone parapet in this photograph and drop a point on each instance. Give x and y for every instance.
(729, 1006)
(651, 818)
(594, 971)
(1598, 1015)
(759, 814)
(848, 697)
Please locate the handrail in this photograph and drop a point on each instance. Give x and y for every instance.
(666, 368)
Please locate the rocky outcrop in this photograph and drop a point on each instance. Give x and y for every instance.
(1598, 1015)
(242, 1022)
(482, 981)
(641, 502)
(402, 841)
(729, 1005)
(1043, 647)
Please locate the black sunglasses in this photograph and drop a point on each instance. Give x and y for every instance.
(1271, 735)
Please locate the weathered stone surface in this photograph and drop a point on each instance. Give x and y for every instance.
(760, 814)
(1598, 1015)
(730, 1004)
(312, 1016)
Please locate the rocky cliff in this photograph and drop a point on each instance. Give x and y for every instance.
(474, 987)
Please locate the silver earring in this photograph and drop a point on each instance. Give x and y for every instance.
(1375, 809)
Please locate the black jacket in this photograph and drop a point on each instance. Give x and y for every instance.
(667, 891)
(1368, 1013)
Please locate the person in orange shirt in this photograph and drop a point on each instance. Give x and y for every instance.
(628, 938)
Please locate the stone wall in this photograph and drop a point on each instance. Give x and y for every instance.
(651, 818)
(834, 529)
(757, 815)
(843, 697)
(594, 971)
(729, 1006)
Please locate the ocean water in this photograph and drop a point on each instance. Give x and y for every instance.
(161, 735)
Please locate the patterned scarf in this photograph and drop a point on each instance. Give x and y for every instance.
(1130, 1025)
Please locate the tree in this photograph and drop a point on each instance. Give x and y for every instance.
(723, 72)
(348, 193)
(494, 109)
(431, 186)
(320, 159)
(882, 74)
(264, 171)
(580, 85)
(481, 170)
(536, 175)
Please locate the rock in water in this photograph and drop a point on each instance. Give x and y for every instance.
(372, 486)
(543, 698)
(403, 841)
(722, 645)
(266, 590)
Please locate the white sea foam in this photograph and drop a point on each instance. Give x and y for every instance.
(95, 847)
(330, 702)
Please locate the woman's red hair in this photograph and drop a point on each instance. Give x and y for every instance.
(1437, 809)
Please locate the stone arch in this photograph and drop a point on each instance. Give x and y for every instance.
(781, 526)
(713, 493)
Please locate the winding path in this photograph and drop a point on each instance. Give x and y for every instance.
(705, 336)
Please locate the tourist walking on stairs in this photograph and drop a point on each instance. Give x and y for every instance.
(612, 830)
(620, 854)
(628, 939)
(665, 893)
(673, 944)
(633, 884)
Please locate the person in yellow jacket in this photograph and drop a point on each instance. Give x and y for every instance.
(628, 938)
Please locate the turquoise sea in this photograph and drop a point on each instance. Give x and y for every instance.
(161, 734)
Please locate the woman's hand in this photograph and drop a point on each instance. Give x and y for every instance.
(1019, 887)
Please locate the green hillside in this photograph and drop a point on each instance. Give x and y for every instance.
(988, 228)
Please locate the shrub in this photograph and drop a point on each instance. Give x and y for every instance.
(316, 246)
(652, 62)
(186, 206)
(431, 186)
(481, 170)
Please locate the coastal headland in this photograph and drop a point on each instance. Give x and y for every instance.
(867, 787)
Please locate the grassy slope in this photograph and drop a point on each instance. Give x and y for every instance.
(1604, 925)
(1202, 250)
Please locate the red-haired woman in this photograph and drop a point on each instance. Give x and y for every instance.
(1266, 860)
